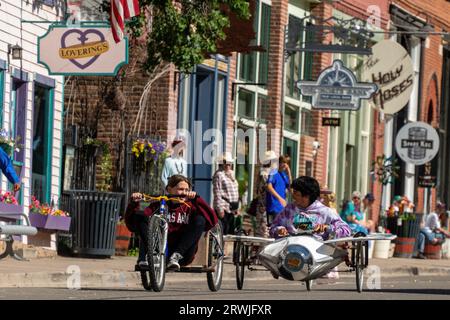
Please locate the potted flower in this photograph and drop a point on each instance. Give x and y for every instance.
(8, 144)
(9, 204)
(146, 153)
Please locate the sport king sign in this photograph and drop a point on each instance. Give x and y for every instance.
(87, 50)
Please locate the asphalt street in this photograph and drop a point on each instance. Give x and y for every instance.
(392, 288)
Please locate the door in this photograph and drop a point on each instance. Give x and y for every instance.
(203, 119)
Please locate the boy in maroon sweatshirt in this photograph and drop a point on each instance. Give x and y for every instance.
(187, 221)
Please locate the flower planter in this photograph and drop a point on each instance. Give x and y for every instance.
(37, 220)
(381, 250)
(404, 247)
(58, 223)
(123, 236)
(10, 208)
(50, 222)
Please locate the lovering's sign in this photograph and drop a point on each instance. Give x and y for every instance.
(85, 50)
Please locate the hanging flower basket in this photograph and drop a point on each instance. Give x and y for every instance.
(7, 148)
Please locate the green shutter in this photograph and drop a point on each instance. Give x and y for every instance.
(265, 38)
(2, 88)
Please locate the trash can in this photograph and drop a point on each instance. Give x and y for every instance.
(94, 218)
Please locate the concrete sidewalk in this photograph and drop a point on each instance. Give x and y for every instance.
(118, 271)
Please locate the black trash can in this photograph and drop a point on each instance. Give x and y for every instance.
(94, 218)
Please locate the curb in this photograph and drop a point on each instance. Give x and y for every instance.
(129, 279)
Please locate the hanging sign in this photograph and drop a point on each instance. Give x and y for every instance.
(331, 122)
(391, 68)
(428, 174)
(85, 50)
(336, 89)
(417, 143)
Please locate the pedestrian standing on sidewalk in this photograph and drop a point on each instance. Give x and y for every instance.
(268, 163)
(226, 194)
(8, 169)
(277, 188)
(175, 164)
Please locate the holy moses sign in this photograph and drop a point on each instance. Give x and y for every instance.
(87, 50)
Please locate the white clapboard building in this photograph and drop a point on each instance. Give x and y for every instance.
(31, 101)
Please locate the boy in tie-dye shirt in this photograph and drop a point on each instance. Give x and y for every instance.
(308, 213)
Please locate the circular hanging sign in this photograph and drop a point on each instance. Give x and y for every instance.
(391, 68)
(417, 143)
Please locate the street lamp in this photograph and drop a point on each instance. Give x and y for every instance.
(15, 51)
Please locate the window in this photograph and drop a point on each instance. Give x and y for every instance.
(245, 104)
(247, 62)
(293, 65)
(290, 148)
(291, 118)
(19, 105)
(50, 3)
(263, 109)
(307, 122)
(308, 168)
(42, 142)
(291, 114)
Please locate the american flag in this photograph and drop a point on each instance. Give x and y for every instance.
(121, 10)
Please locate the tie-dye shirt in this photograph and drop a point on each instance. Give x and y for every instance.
(293, 218)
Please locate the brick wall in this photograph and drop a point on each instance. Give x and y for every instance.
(437, 13)
(278, 21)
(159, 118)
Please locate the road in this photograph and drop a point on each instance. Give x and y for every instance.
(398, 288)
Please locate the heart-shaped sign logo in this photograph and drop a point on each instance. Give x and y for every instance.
(83, 49)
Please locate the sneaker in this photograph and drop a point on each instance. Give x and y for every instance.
(420, 255)
(174, 263)
(143, 263)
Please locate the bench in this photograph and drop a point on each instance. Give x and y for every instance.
(11, 230)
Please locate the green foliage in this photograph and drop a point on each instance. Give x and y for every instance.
(184, 32)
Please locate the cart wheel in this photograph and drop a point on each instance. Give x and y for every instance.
(308, 285)
(157, 235)
(215, 258)
(360, 261)
(241, 259)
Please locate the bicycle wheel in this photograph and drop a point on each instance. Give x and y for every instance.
(215, 258)
(145, 279)
(241, 259)
(157, 235)
(359, 266)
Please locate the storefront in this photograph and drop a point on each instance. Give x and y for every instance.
(31, 103)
